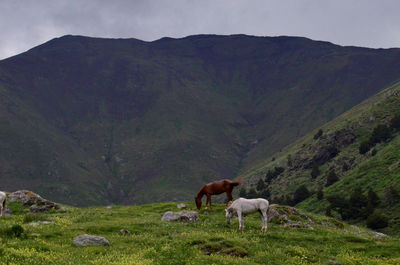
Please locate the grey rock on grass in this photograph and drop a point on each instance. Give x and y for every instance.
(89, 240)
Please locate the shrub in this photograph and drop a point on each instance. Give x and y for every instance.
(395, 123)
(332, 178)
(315, 170)
(242, 192)
(300, 194)
(373, 198)
(376, 221)
(320, 194)
(373, 152)
(252, 194)
(380, 133)
(391, 196)
(364, 147)
(260, 185)
(318, 134)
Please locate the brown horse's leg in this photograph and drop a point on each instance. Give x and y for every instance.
(208, 200)
(229, 195)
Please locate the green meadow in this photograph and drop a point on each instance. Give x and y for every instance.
(208, 241)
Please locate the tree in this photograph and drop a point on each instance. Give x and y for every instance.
(380, 133)
(320, 194)
(301, 194)
(392, 196)
(252, 194)
(376, 221)
(395, 123)
(332, 178)
(260, 185)
(242, 193)
(364, 147)
(318, 134)
(373, 198)
(315, 170)
(265, 194)
(289, 160)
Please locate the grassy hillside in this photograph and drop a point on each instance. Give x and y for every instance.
(338, 150)
(208, 241)
(90, 121)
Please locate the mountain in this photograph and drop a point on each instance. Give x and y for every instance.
(90, 121)
(350, 166)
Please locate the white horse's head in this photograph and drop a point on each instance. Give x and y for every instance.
(229, 214)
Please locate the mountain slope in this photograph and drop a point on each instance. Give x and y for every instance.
(339, 150)
(90, 121)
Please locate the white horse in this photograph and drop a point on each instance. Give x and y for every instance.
(3, 199)
(243, 206)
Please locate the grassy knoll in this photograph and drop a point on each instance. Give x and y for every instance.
(209, 241)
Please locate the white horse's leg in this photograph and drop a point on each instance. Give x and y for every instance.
(241, 222)
(1, 209)
(264, 220)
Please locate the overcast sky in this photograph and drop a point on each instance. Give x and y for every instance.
(369, 23)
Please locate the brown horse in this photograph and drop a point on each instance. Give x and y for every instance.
(214, 188)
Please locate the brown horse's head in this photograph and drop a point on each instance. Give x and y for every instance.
(198, 202)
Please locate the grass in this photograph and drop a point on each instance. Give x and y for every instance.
(208, 241)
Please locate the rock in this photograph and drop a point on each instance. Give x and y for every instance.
(378, 235)
(333, 262)
(124, 232)
(184, 216)
(89, 240)
(169, 216)
(7, 212)
(188, 216)
(109, 207)
(40, 223)
(29, 198)
(356, 228)
(181, 206)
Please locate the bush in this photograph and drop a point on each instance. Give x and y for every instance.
(242, 193)
(320, 194)
(380, 133)
(260, 185)
(395, 123)
(376, 221)
(318, 134)
(273, 174)
(364, 147)
(332, 178)
(315, 170)
(300, 194)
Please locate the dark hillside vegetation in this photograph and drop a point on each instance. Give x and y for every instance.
(335, 174)
(92, 121)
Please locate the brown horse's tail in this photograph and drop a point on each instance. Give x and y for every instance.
(235, 183)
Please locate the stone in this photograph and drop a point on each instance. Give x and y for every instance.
(169, 216)
(124, 232)
(29, 198)
(183, 216)
(89, 240)
(181, 206)
(40, 223)
(378, 235)
(7, 212)
(188, 216)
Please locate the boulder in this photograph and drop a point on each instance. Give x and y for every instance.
(124, 232)
(29, 198)
(188, 216)
(181, 206)
(89, 240)
(184, 216)
(169, 216)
